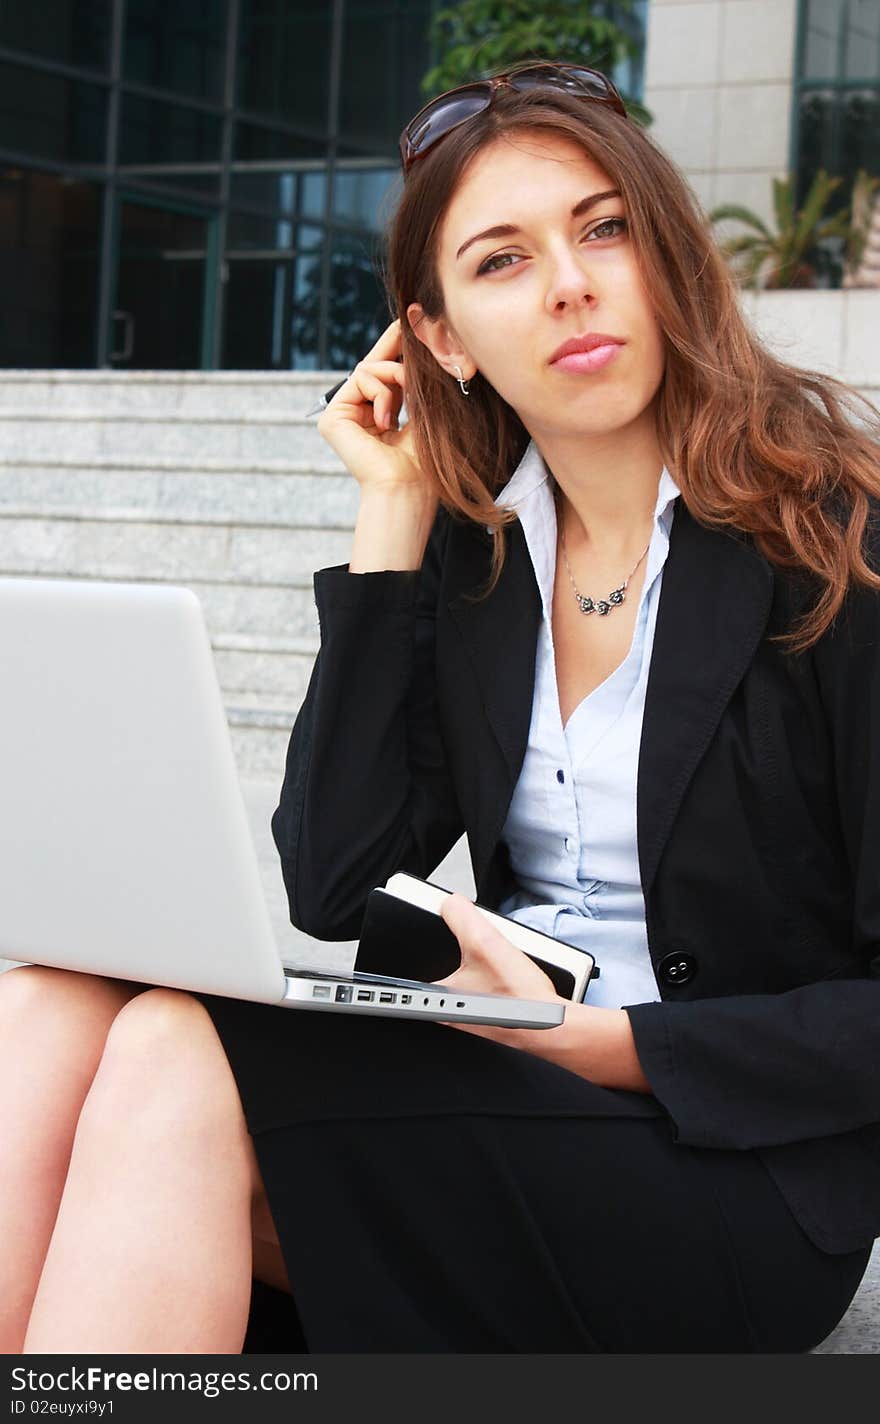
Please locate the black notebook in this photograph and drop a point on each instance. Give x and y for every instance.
(403, 935)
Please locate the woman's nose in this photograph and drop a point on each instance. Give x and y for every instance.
(570, 281)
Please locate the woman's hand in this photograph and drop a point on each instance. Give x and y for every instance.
(360, 423)
(490, 964)
(595, 1043)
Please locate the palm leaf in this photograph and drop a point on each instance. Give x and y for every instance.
(821, 189)
(733, 246)
(783, 203)
(739, 214)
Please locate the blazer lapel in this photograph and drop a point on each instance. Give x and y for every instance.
(500, 634)
(714, 605)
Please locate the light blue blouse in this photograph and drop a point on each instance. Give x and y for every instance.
(571, 825)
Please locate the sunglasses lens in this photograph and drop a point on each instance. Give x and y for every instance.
(446, 112)
(577, 81)
(438, 119)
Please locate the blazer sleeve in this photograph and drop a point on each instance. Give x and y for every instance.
(366, 789)
(755, 1070)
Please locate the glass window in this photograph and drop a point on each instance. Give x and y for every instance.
(862, 59)
(385, 55)
(49, 229)
(299, 192)
(164, 141)
(256, 143)
(357, 313)
(179, 46)
(364, 193)
(69, 31)
(840, 132)
(629, 73)
(51, 117)
(284, 59)
(248, 232)
(838, 94)
(263, 291)
(160, 286)
(841, 39)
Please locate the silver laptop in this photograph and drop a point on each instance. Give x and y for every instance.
(125, 848)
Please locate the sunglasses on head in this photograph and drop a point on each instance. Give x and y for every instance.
(441, 115)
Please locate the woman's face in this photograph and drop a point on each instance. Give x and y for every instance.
(564, 268)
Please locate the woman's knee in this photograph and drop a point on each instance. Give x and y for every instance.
(164, 1070)
(44, 1008)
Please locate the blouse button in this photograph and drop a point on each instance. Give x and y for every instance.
(568, 844)
(560, 776)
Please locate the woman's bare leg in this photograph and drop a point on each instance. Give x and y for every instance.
(268, 1259)
(53, 1025)
(151, 1251)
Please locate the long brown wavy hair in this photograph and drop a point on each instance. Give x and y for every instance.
(787, 455)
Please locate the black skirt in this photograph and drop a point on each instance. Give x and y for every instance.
(436, 1192)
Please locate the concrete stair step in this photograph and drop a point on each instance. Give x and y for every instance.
(73, 547)
(190, 496)
(252, 611)
(238, 440)
(270, 677)
(193, 394)
(241, 610)
(259, 739)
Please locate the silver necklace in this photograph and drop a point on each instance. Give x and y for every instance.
(599, 605)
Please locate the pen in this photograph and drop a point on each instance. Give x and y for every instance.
(323, 401)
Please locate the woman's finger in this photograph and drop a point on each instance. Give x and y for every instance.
(388, 344)
(477, 937)
(372, 383)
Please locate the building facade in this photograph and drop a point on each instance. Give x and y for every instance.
(194, 183)
(744, 91)
(203, 184)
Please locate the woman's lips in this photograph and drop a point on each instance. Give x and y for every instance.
(582, 362)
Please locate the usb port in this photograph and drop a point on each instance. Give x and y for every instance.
(406, 998)
(365, 996)
(321, 991)
(387, 998)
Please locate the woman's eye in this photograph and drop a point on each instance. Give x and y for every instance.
(504, 258)
(608, 222)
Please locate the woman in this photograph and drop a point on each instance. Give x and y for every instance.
(687, 784)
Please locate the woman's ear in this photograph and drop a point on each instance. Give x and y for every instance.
(443, 343)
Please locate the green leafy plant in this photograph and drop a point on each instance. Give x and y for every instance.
(477, 37)
(864, 199)
(790, 256)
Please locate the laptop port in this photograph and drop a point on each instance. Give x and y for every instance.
(321, 991)
(387, 998)
(343, 993)
(406, 998)
(365, 996)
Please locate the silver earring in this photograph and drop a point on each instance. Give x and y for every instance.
(461, 381)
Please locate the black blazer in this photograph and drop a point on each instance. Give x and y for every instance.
(758, 825)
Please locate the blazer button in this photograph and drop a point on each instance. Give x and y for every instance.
(677, 969)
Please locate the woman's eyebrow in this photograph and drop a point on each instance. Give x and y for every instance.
(508, 229)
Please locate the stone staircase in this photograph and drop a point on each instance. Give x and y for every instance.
(215, 481)
(218, 482)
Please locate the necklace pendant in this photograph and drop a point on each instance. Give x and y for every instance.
(617, 596)
(602, 607)
(586, 605)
